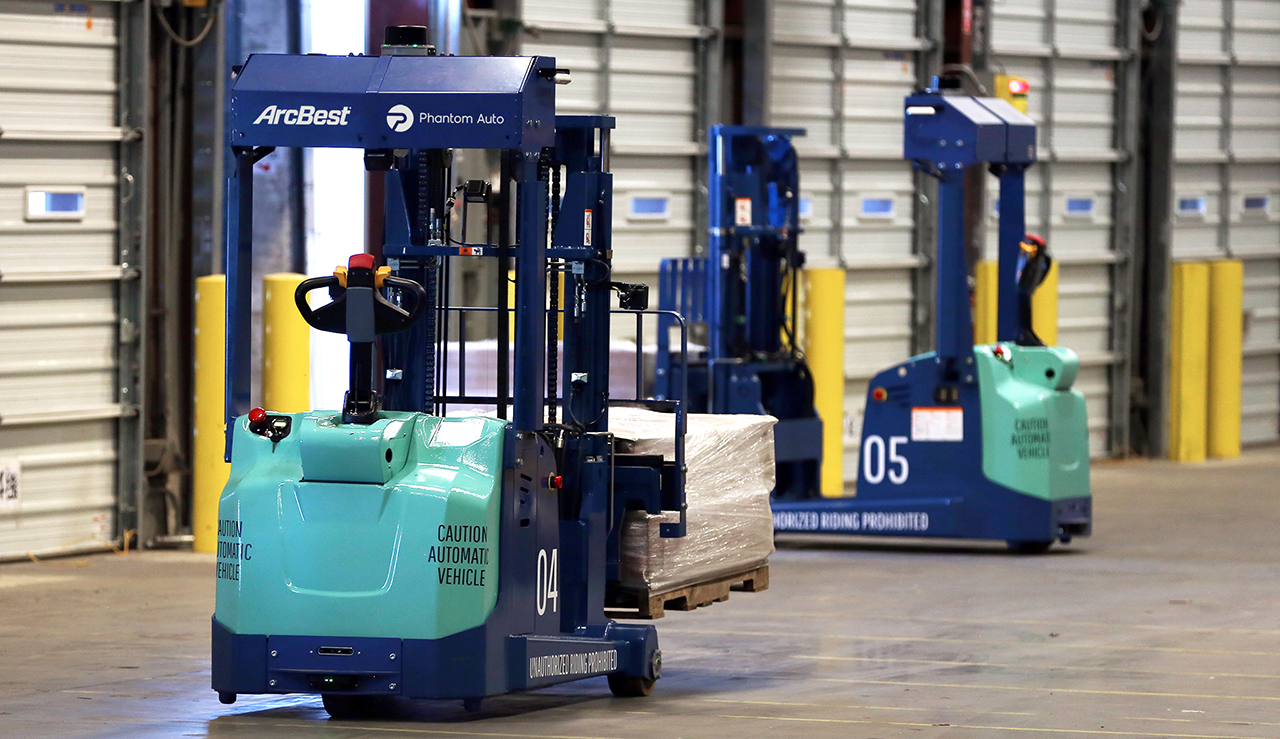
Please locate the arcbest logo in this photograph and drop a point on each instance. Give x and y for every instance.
(399, 118)
(306, 115)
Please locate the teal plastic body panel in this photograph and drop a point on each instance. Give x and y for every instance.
(333, 452)
(311, 540)
(1035, 437)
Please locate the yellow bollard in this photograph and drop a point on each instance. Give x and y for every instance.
(1189, 371)
(824, 351)
(984, 302)
(209, 471)
(286, 347)
(511, 306)
(1044, 308)
(1226, 358)
(560, 305)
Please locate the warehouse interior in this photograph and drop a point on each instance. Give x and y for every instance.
(605, 368)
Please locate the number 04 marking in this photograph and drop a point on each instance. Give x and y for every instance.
(548, 581)
(873, 460)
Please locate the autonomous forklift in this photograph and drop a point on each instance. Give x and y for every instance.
(969, 442)
(389, 548)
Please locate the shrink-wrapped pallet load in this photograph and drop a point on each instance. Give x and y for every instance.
(730, 474)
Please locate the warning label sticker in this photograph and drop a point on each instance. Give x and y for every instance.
(1030, 438)
(937, 424)
(9, 471)
(742, 211)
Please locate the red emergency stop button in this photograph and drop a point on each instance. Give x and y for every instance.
(879, 394)
(257, 418)
(998, 351)
(555, 482)
(360, 261)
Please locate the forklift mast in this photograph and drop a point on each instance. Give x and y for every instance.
(745, 293)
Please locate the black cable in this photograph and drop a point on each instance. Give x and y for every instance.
(553, 295)
(204, 32)
(553, 343)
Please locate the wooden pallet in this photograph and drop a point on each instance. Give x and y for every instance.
(655, 604)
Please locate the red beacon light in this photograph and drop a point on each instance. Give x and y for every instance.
(1019, 86)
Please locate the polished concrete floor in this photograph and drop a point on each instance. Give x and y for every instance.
(1165, 624)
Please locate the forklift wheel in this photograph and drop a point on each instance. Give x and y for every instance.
(630, 686)
(342, 706)
(1030, 547)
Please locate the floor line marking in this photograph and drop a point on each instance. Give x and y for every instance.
(1034, 667)
(1025, 622)
(1085, 691)
(1191, 721)
(1056, 643)
(448, 732)
(814, 705)
(911, 724)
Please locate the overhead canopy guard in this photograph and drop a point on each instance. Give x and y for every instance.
(395, 102)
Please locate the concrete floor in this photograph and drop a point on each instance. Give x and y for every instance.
(1165, 624)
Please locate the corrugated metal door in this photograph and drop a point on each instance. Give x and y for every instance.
(1201, 143)
(1226, 175)
(1252, 206)
(1079, 59)
(637, 60)
(840, 70)
(68, 286)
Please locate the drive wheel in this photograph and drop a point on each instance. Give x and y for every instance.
(342, 706)
(1030, 547)
(630, 686)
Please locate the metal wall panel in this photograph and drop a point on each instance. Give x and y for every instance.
(1251, 205)
(69, 295)
(637, 60)
(840, 70)
(1079, 59)
(1201, 139)
(1226, 188)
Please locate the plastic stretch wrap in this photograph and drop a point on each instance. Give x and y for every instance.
(482, 370)
(730, 475)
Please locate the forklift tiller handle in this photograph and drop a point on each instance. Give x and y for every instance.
(332, 317)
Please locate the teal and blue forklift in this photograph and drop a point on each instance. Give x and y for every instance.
(969, 442)
(385, 548)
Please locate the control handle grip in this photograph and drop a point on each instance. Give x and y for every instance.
(388, 318)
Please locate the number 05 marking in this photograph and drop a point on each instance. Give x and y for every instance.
(874, 466)
(548, 581)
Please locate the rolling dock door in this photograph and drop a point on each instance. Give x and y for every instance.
(840, 69)
(643, 61)
(1080, 59)
(71, 88)
(1226, 174)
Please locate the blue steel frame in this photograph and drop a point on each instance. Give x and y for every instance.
(944, 136)
(503, 103)
(946, 493)
(739, 290)
(408, 103)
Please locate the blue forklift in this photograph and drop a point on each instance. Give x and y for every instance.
(744, 292)
(387, 549)
(971, 442)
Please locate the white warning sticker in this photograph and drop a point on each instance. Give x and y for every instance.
(9, 470)
(586, 227)
(742, 211)
(937, 424)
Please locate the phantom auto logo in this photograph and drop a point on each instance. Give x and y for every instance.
(399, 118)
